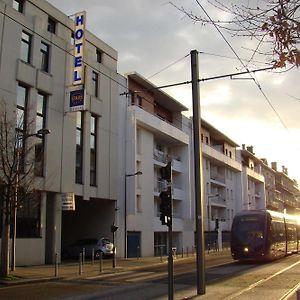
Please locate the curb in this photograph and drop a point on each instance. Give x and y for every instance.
(28, 281)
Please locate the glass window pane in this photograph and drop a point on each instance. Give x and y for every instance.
(20, 119)
(25, 37)
(21, 96)
(93, 142)
(25, 47)
(93, 124)
(40, 104)
(39, 123)
(78, 119)
(78, 137)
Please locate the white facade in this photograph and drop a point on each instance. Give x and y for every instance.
(150, 142)
(36, 57)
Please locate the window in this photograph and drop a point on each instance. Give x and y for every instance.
(26, 47)
(93, 149)
(139, 100)
(29, 215)
(95, 84)
(138, 203)
(98, 56)
(51, 25)
(22, 99)
(79, 146)
(18, 5)
(40, 144)
(44, 57)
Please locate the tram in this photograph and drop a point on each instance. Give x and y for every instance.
(264, 235)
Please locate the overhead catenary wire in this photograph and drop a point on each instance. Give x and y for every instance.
(113, 79)
(235, 53)
(168, 66)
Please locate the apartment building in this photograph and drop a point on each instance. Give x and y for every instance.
(273, 199)
(155, 133)
(287, 190)
(253, 182)
(221, 180)
(79, 157)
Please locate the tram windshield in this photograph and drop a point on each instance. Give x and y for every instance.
(248, 228)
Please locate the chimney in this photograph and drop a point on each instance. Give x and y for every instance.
(250, 149)
(264, 160)
(274, 165)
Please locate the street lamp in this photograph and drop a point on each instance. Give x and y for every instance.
(208, 216)
(40, 133)
(125, 209)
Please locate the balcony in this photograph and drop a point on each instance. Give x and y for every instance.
(158, 126)
(217, 156)
(254, 175)
(160, 156)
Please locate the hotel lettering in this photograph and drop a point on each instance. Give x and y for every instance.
(79, 37)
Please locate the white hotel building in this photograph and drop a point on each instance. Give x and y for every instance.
(79, 155)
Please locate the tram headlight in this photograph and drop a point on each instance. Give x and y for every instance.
(246, 249)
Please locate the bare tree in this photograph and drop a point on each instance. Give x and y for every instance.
(273, 24)
(16, 174)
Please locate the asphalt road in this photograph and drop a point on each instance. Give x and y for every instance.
(225, 280)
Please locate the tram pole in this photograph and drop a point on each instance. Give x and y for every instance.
(198, 175)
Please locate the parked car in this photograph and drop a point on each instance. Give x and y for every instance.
(102, 245)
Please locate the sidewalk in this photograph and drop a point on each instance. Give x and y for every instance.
(71, 269)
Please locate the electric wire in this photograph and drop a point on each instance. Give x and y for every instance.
(168, 66)
(119, 83)
(235, 53)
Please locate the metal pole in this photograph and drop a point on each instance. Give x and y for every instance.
(101, 262)
(80, 264)
(170, 265)
(14, 229)
(208, 222)
(56, 264)
(198, 174)
(114, 252)
(125, 218)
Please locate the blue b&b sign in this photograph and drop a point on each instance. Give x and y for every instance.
(77, 100)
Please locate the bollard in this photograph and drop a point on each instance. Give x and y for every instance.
(93, 256)
(80, 264)
(83, 256)
(138, 252)
(161, 259)
(56, 264)
(182, 252)
(187, 251)
(114, 257)
(101, 262)
(192, 250)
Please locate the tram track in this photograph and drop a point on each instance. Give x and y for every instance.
(277, 280)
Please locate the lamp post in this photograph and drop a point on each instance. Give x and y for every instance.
(125, 209)
(208, 216)
(40, 133)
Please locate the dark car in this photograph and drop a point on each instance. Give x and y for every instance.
(102, 245)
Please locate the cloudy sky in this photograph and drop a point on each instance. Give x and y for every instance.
(152, 35)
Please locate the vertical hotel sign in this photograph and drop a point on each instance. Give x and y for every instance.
(77, 95)
(79, 38)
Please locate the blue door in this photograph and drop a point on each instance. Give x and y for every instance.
(133, 244)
